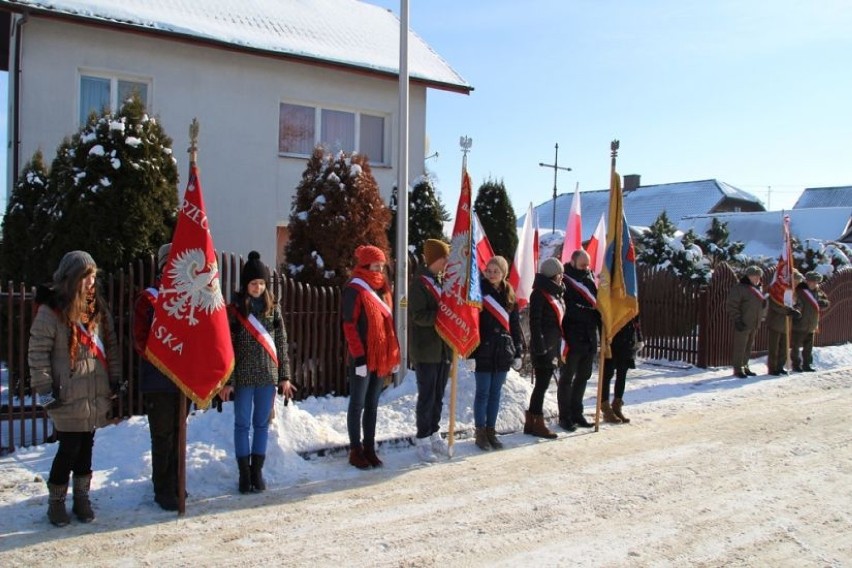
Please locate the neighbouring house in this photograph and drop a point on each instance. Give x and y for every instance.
(761, 232)
(267, 80)
(643, 204)
(811, 197)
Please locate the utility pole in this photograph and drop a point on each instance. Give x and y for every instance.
(556, 167)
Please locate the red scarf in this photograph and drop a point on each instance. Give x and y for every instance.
(382, 344)
(87, 320)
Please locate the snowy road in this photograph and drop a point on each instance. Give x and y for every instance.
(757, 479)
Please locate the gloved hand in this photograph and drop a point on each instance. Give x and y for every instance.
(395, 369)
(361, 370)
(47, 401)
(794, 312)
(516, 363)
(739, 325)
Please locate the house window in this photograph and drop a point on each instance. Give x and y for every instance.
(98, 93)
(301, 127)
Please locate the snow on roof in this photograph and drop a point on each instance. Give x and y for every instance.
(825, 197)
(761, 230)
(644, 204)
(345, 32)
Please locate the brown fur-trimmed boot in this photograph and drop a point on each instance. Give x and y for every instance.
(608, 414)
(617, 404)
(481, 440)
(82, 506)
(56, 511)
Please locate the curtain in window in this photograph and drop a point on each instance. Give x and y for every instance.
(296, 129)
(372, 138)
(94, 96)
(338, 130)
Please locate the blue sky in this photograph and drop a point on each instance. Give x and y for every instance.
(752, 92)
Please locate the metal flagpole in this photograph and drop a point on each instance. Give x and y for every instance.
(401, 282)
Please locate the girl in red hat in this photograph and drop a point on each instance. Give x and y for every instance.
(370, 333)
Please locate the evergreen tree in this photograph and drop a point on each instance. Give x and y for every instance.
(426, 216)
(336, 208)
(26, 225)
(116, 187)
(651, 246)
(498, 217)
(718, 248)
(661, 246)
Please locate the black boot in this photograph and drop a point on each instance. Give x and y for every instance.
(245, 474)
(808, 369)
(582, 422)
(749, 372)
(257, 483)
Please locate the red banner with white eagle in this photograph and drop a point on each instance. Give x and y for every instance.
(190, 341)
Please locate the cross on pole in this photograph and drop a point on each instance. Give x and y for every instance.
(556, 167)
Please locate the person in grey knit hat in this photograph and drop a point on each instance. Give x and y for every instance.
(75, 367)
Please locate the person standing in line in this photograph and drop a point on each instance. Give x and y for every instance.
(367, 308)
(547, 340)
(261, 366)
(746, 306)
(626, 344)
(581, 324)
(75, 369)
(776, 331)
(812, 301)
(429, 352)
(499, 349)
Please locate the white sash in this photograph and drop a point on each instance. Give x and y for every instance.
(495, 309)
(372, 293)
(432, 286)
(584, 291)
(809, 296)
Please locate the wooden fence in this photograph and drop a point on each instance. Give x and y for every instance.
(681, 321)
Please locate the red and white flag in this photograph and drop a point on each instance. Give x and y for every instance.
(484, 252)
(781, 288)
(597, 247)
(574, 229)
(457, 321)
(522, 272)
(190, 341)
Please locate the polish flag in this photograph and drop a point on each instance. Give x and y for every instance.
(523, 270)
(597, 247)
(574, 229)
(484, 252)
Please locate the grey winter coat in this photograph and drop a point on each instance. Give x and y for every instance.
(84, 392)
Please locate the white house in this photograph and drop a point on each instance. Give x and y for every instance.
(267, 79)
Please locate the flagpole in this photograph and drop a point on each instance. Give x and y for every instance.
(605, 346)
(788, 320)
(181, 465)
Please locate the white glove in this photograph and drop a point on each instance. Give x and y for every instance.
(516, 364)
(361, 370)
(395, 369)
(640, 345)
(470, 365)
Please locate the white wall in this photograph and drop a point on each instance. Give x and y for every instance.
(247, 186)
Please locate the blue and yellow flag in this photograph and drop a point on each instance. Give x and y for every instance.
(618, 299)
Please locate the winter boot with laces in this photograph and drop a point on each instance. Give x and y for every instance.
(56, 511)
(82, 506)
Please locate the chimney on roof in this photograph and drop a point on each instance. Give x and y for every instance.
(631, 182)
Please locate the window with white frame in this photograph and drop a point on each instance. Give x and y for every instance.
(301, 127)
(99, 92)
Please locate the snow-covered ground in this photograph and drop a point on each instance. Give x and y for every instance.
(702, 445)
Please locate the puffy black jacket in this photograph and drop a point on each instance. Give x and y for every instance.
(545, 327)
(582, 319)
(497, 347)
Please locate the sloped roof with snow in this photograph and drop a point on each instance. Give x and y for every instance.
(840, 196)
(761, 231)
(643, 204)
(349, 33)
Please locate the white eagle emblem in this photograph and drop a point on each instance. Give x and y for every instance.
(195, 286)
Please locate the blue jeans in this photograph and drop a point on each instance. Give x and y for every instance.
(245, 417)
(364, 393)
(486, 401)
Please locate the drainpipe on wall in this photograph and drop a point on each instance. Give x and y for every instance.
(15, 142)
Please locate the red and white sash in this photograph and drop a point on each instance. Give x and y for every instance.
(560, 314)
(94, 344)
(260, 333)
(583, 290)
(760, 295)
(494, 308)
(373, 296)
(433, 288)
(809, 296)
